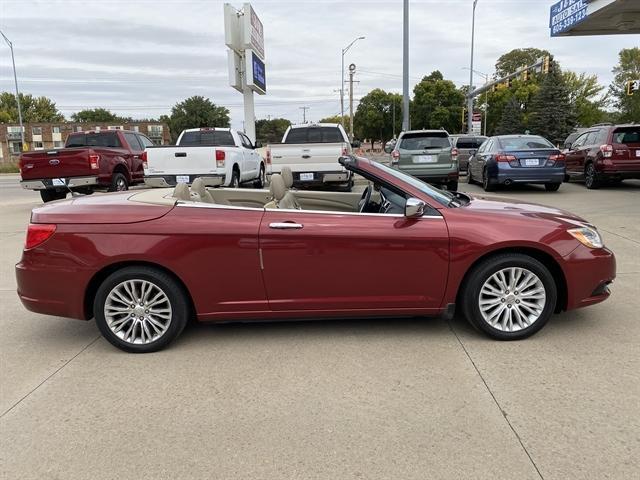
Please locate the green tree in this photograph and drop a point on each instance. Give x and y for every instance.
(336, 119)
(628, 68)
(95, 115)
(34, 109)
(374, 119)
(519, 57)
(271, 131)
(552, 114)
(585, 94)
(196, 112)
(437, 103)
(512, 119)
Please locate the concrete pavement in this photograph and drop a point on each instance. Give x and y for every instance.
(391, 398)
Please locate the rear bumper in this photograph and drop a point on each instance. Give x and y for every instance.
(530, 175)
(47, 183)
(589, 273)
(320, 178)
(163, 181)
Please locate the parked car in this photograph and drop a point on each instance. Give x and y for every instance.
(465, 144)
(92, 160)
(509, 159)
(427, 155)
(609, 153)
(218, 155)
(311, 151)
(142, 264)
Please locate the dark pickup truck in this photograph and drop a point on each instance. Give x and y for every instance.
(109, 160)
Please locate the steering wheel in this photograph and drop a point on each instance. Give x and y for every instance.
(365, 198)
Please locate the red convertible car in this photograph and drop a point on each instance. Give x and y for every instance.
(143, 263)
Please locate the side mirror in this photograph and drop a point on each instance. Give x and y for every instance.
(388, 148)
(414, 208)
(355, 144)
(257, 145)
(567, 146)
(472, 152)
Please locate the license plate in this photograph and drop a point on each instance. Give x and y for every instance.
(531, 162)
(306, 176)
(58, 182)
(182, 178)
(425, 159)
(637, 153)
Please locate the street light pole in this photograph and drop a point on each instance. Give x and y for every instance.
(344, 50)
(405, 67)
(486, 97)
(15, 79)
(469, 98)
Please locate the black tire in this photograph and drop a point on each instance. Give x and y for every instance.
(591, 180)
(119, 183)
(177, 297)
(552, 187)
(483, 271)
(51, 195)
(470, 179)
(235, 179)
(567, 178)
(486, 184)
(260, 182)
(452, 186)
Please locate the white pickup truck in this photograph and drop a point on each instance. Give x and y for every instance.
(221, 156)
(312, 151)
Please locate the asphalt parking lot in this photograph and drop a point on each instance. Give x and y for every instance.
(387, 399)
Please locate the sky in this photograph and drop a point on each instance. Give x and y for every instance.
(140, 57)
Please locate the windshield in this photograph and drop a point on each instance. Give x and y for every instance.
(438, 195)
(524, 143)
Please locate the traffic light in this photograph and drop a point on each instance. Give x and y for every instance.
(546, 64)
(509, 82)
(525, 75)
(633, 86)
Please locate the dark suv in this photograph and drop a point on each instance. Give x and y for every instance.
(465, 144)
(605, 153)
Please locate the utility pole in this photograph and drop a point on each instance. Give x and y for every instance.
(405, 68)
(393, 116)
(470, 99)
(15, 79)
(352, 71)
(344, 50)
(304, 113)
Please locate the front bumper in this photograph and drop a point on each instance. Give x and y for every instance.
(589, 272)
(48, 183)
(163, 181)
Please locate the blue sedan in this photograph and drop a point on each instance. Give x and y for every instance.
(509, 159)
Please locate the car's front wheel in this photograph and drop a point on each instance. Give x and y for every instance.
(119, 183)
(509, 296)
(591, 179)
(140, 309)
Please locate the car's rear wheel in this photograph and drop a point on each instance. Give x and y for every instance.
(140, 309)
(261, 180)
(51, 195)
(235, 179)
(552, 187)
(591, 180)
(119, 183)
(486, 183)
(509, 296)
(470, 180)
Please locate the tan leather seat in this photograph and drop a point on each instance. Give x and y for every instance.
(181, 192)
(199, 192)
(282, 198)
(287, 176)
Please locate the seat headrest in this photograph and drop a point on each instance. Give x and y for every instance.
(277, 188)
(287, 176)
(181, 192)
(198, 187)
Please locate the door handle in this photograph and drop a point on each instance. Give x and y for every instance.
(286, 226)
(180, 154)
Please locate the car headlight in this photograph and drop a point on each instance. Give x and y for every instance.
(587, 236)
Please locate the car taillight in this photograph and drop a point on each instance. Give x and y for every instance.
(555, 158)
(38, 233)
(94, 161)
(510, 159)
(345, 151)
(220, 157)
(607, 151)
(454, 154)
(395, 156)
(145, 163)
(268, 156)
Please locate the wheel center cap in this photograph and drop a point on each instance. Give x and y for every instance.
(139, 311)
(511, 299)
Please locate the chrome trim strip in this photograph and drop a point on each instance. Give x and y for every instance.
(286, 226)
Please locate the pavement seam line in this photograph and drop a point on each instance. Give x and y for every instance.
(621, 236)
(50, 376)
(504, 415)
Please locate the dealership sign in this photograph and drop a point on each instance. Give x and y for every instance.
(256, 77)
(566, 14)
(253, 31)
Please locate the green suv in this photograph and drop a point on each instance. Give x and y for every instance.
(427, 155)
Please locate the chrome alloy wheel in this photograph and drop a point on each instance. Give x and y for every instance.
(121, 185)
(137, 311)
(512, 299)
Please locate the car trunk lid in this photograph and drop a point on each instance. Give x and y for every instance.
(533, 158)
(65, 162)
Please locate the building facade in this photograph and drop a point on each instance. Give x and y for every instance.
(46, 136)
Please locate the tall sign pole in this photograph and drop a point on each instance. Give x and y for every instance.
(352, 71)
(470, 98)
(15, 79)
(244, 35)
(405, 68)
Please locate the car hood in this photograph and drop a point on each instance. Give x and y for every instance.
(114, 208)
(517, 208)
